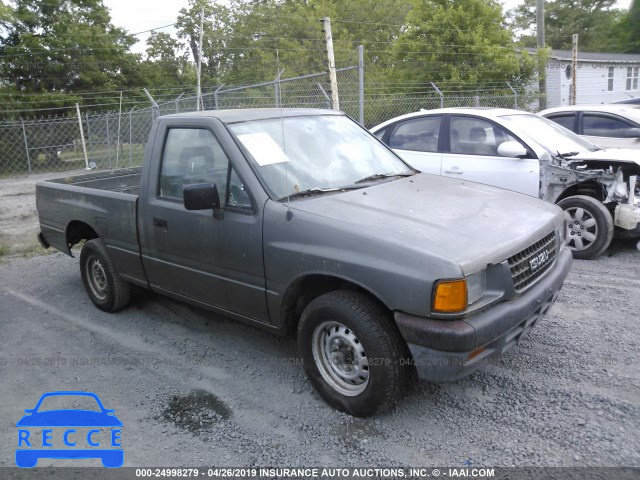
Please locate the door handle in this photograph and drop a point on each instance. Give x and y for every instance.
(159, 223)
(455, 170)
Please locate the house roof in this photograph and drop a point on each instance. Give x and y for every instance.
(598, 57)
(594, 56)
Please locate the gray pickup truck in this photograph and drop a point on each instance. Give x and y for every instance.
(301, 222)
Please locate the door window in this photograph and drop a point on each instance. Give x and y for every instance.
(605, 126)
(418, 134)
(566, 120)
(474, 136)
(194, 155)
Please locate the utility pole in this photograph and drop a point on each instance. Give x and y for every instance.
(335, 104)
(574, 67)
(199, 69)
(542, 71)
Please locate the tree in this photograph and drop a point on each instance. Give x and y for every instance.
(462, 41)
(628, 31)
(243, 38)
(52, 51)
(216, 33)
(165, 66)
(5, 13)
(593, 20)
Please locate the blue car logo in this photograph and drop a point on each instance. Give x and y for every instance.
(69, 433)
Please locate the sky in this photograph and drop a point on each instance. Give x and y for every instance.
(139, 15)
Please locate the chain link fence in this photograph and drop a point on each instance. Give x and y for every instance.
(117, 139)
(381, 107)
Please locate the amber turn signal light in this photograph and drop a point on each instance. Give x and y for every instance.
(450, 296)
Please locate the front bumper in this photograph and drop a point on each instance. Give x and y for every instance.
(447, 350)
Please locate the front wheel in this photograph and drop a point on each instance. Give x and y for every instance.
(106, 289)
(589, 226)
(352, 352)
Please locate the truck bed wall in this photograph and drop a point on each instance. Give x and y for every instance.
(112, 215)
(126, 180)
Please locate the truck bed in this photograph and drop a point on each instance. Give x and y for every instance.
(103, 202)
(125, 180)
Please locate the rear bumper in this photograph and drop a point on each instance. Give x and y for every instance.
(447, 350)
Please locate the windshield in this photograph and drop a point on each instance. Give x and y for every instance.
(317, 152)
(554, 138)
(66, 402)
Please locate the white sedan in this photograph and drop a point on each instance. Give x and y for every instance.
(608, 126)
(532, 155)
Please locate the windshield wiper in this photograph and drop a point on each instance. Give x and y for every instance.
(317, 191)
(377, 176)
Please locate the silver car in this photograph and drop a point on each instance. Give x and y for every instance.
(608, 126)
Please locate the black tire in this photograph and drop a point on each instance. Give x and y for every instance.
(367, 327)
(104, 286)
(589, 226)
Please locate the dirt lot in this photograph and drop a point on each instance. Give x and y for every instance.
(194, 389)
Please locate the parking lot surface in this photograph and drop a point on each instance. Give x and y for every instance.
(195, 389)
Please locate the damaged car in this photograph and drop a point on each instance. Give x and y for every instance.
(526, 153)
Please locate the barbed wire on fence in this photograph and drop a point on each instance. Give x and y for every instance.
(117, 139)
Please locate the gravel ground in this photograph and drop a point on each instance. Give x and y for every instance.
(18, 215)
(195, 389)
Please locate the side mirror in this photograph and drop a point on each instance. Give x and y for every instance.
(512, 149)
(29, 410)
(201, 196)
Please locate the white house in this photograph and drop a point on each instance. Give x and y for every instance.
(601, 77)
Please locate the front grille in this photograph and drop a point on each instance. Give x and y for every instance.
(531, 263)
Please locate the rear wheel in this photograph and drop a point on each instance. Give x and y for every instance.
(104, 286)
(589, 226)
(353, 354)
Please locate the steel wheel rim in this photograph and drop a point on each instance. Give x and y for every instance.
(97, 278)
(340, 358)
(582, 228)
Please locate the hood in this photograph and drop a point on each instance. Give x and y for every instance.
(69, 418)
(463, 222)
(610, 154)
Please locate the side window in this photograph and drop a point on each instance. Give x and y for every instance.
(237, 195)
(475, 136)
(605, 126)
(566, 120)
(380, 133)
(418, 134)
(194, 155)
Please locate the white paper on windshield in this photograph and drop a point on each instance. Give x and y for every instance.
(263, 148)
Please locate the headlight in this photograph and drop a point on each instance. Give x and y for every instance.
(561, 233)
(453, 296)
(476, 284)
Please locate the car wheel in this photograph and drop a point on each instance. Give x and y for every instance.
(353, 353)
(589, 226)
(106, 289)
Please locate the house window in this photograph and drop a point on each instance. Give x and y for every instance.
(632, 78)
(610, 79)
